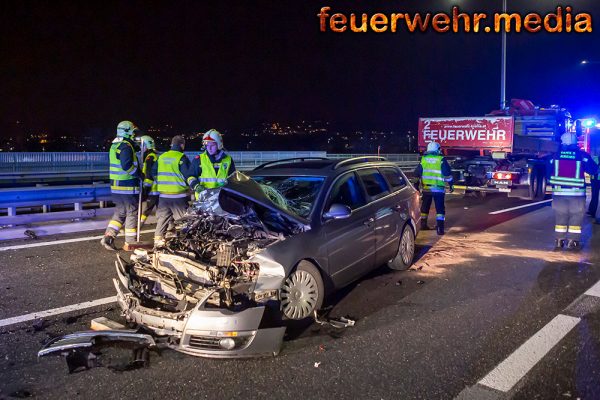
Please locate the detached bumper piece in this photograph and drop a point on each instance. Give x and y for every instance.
(83, 350)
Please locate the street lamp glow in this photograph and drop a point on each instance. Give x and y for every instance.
(584, 61)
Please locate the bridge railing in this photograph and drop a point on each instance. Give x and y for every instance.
(39, 166)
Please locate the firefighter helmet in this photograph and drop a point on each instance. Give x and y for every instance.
(568, 138)
(213, 135)
(147, 142)
(433, 147)
(126, 129)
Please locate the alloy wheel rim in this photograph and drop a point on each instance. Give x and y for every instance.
(406, 246)
(299, 295)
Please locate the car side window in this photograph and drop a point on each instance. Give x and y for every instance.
(394, 177)
(374, 182)
(347, 190)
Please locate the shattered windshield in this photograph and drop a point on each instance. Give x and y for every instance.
(295, 194)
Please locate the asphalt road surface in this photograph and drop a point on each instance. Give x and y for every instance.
(488, 311)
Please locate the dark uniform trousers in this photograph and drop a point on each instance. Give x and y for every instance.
(438, 199)
(568, 212)
(126, 209)
(169, 210)
(593, 207)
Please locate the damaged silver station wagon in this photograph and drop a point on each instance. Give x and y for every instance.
(268, 247)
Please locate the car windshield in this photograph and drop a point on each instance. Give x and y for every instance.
(295, 194)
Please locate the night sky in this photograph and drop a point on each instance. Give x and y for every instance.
(232, 64)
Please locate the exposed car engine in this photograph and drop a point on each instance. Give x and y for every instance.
(209, 255)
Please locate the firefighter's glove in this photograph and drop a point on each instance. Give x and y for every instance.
(197, 190)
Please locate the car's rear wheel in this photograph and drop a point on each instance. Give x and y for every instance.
(302, 292)
(406, 250)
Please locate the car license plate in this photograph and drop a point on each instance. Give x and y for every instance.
(500, 183)
(503, 189)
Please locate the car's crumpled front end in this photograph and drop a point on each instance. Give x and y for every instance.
(209, 291)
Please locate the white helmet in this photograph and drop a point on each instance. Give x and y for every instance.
(148, 142)
(213, 135)
(126, 129)
(433, 147)
(568, 138)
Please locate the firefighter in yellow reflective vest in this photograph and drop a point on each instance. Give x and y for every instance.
(213, 166)
(124, 185)
(173, 174)
(567, 176)
(150, 186)
(434, 172)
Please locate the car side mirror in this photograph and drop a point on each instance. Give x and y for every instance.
(338, 211)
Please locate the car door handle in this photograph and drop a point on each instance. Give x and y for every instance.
(369, 221)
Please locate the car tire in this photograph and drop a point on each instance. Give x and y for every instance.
(406, 250)
(302, 292)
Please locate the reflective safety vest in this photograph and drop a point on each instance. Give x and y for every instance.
(210, 179)
(568, 177)
(169, 179)
(151, 183)
(432, 178)
(122, 182)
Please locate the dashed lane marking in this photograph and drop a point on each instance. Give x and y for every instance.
(61, 241)
(515, 367)
(509, 372)
(56, 311)
(594, 290)
(518, 207)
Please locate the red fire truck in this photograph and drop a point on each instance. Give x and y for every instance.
(504, 151)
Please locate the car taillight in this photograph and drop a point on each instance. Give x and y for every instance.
(503, 176)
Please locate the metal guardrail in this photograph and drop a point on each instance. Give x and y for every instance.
(77, 195)
(34, 161)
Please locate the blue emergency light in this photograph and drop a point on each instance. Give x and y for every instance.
(588, 123)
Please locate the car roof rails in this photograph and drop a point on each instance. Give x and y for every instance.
(356, 160)
(290, 159)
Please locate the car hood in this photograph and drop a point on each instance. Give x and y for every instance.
(241, 188)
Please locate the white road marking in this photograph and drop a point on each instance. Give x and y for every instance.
(514, 367)
(516, 208)
(62, 241)
(56, 311)
(594, 290)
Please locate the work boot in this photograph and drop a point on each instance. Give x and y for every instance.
(574, 245)
(440, 227)
(108, 241)
(559, 244)
(424, 226)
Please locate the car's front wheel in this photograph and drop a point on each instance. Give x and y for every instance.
(302, 292)
(406, 250)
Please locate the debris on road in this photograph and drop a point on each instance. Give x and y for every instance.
(317, 364)
(31, 234)
(420, 282)
(40, 324)
(339, 323)
(84, 350)
(398, 283)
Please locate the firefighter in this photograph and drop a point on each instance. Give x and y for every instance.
(434, 172)
(566, 175)
(124, 185)
(595, 183)
(173, 174)
(150, 187)
(213, 166)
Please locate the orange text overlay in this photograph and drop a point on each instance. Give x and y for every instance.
(563, 19)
